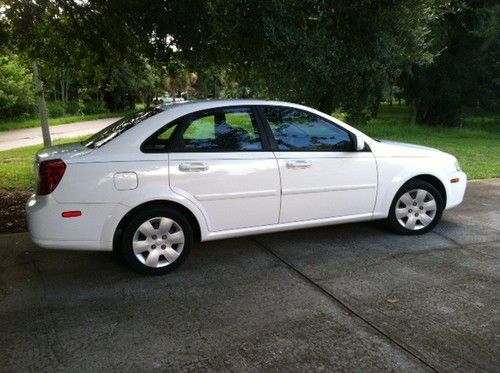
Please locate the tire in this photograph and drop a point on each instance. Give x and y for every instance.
(416, 209)
(162, 238)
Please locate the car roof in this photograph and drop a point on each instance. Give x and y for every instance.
(194, 105)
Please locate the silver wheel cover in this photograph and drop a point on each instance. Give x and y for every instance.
(416, 209)
(158, 242)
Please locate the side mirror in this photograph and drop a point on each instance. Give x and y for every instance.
(359, 144)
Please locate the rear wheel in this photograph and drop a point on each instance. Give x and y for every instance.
(416, 208)
(156, 240)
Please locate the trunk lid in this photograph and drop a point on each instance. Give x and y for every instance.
(66, 152)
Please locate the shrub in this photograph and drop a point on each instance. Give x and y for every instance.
(92, 107)
(16, 88)
(56, 109)
(74, 107)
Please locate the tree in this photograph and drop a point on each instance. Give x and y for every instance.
(330, 54)
(466, 71)
(76, 63)
(16, 88)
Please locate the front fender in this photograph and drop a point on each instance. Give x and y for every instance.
(394, 172)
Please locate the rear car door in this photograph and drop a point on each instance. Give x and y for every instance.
(322, 175)
(218, 159)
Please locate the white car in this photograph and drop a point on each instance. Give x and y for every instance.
(152, 185)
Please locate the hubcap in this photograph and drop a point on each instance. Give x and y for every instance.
(416, 209)
(158, 242)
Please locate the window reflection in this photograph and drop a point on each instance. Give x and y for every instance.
(224, 130)
(298, 130)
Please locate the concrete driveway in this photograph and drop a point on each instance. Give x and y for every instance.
(33, 136)
(350, 298)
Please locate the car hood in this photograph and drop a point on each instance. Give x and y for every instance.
(399, 149)
(65, 152)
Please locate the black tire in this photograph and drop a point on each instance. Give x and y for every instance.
(392, 220)
(129, 231)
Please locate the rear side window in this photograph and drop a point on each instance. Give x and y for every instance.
(229, 129)
(298, 130)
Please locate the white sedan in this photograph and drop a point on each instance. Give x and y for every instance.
(152, 185)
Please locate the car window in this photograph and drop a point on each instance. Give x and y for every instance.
(159, 142)
(118, 127)
(231, 129)
(298, 130)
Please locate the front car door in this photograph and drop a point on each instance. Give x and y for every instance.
(218, 160)
(322, 176)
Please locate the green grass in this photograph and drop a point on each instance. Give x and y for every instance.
(16, 166)
(476, 145)
(15, 124)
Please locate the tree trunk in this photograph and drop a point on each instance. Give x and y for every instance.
(413, 114)
(326, 102)
(42, 107)
(61, 87)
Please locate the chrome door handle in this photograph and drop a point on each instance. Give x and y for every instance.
(193, 167)
(298, 164)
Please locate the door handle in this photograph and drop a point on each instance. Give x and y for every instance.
(298, 164)
(193, 167)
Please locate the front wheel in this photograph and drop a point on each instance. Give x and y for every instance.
(416, 208)
(156, 240)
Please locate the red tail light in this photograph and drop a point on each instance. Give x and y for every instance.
(50, 174)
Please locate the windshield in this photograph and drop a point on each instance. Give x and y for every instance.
(115, 129)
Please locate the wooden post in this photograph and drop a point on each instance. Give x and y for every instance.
(42, 107)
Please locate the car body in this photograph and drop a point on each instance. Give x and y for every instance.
(231, 168)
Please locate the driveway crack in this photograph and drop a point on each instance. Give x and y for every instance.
(342, 304)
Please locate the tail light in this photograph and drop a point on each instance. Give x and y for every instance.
(50, 174)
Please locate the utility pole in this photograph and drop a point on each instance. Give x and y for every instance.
(42, 107)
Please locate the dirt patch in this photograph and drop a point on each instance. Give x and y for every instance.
(12, 211)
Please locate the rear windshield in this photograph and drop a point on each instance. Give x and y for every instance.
(117, 128)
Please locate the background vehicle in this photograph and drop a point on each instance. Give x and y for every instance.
(152, 185)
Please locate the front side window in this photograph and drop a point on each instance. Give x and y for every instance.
(302, 131)
(230, 129)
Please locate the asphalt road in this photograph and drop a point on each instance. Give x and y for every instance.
(351, 298)
(33, 136)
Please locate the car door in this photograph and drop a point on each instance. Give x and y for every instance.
(219, 161)
(322, 176)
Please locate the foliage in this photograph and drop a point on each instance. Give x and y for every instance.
(331, 54)
(16, 88)
(466, 73)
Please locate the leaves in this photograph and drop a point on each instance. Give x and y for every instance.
(16, 88)
(333, 55)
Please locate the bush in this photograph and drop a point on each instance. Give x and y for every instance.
(16, 88)
(56, 109)
(92, 107)
(74, 107)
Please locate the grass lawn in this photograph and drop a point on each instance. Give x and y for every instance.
(15, 124)
(16, 166)
(476, 145)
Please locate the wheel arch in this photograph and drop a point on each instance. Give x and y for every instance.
(195, 224)
(433, 180)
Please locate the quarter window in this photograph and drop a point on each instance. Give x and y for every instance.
(160, 142)
(298, 130)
